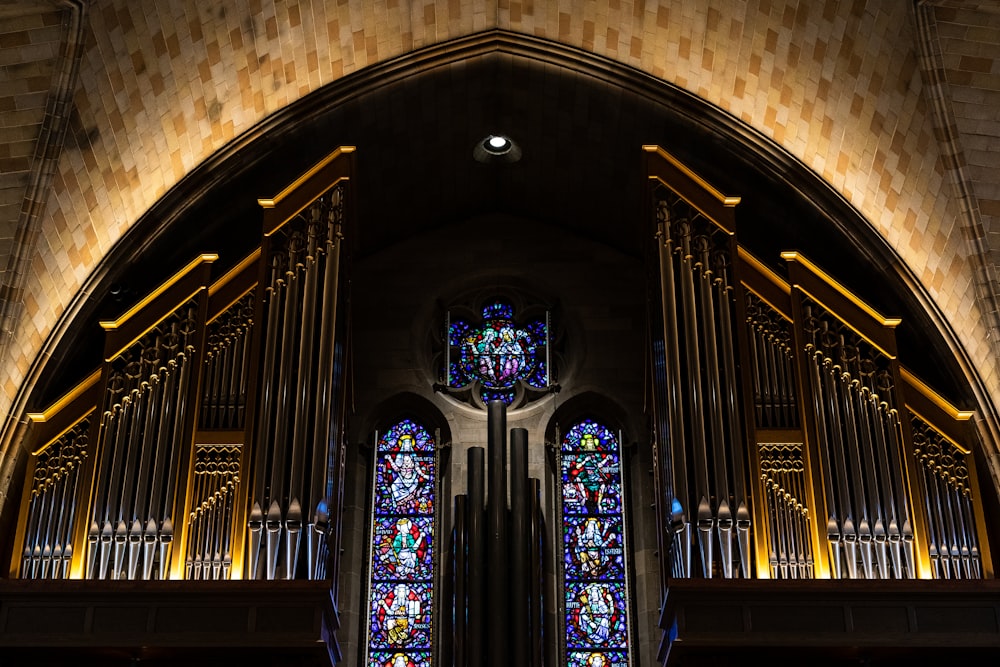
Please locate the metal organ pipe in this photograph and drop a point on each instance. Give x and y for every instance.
(735, 431)
(459, 551)
(476, 617)
(323, 434)
(894, 445)
(519, 547)
(293, 523)
(680, 523)
(496, 535)
(695, 408)
(723, 512)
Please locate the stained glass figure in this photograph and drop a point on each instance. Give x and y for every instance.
(391, 659)
(498, 354)
(594, 563)
(595, 615)
(402, 549)
(593, 547)
(597, 659)
(402, 560)
(591, 483)
(402, 479)
(401, 615)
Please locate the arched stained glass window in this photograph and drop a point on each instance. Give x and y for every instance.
(594, 563)
(400, 622)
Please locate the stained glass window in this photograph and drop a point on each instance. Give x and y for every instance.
(494, 358)
(594, 563)
(402, 556)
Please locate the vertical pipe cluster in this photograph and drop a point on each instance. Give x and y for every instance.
(227, 367)
(869, 529)
(789, 530)
(139, 446)
(700, 399)
(770, 341)
(299, 413)
(210, 523)
(48, 547)
(497, 550)
(952, 540)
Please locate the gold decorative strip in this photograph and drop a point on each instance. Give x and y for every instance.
(149, 298)
(795, 256)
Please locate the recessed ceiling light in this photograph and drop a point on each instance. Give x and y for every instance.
(497, 144)
(497, 148)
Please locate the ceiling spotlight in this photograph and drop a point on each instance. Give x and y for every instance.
(497, 144)
(497, 148)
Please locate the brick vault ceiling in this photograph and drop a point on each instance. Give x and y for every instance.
(30, 40)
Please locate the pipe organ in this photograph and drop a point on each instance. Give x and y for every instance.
(789, 441)
(227, 367)
(697, 396)
(210, 443)
(54, 484)
(868, 523)
(297, 422)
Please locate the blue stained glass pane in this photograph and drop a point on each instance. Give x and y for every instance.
(591, 483)
(498, 309)
(539, 378)
(406, 436)
(593, 547)
(401, 615)
(457, 332)
(595, 615)
(402, 564)
(594, 563)
(458, 378)
(405, 484)
(498, 353)
(597, 659)
(537, 331)
(493, 395)
(402, 548)
(399, 659)
(589, 436)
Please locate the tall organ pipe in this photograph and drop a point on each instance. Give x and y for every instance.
(678, 454)
(520, 536)
(496, 541)
(702, 492)
(460, 551)
(537, 560)
(477, 549)
(735, 430)
(324, 439)
(724, 515)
